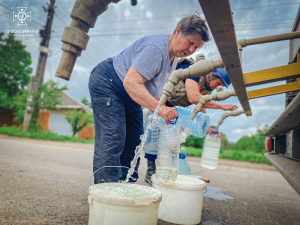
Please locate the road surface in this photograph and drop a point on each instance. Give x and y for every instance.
(45, 182)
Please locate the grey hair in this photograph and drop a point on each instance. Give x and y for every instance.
(193, 25)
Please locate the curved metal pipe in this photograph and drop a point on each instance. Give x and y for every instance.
(234, 112)
(218, 96)
(198, 69)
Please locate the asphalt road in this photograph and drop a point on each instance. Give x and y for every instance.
(44, 182)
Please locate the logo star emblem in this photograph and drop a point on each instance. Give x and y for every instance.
(22, 16)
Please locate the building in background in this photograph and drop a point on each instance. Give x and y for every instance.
(54, 120)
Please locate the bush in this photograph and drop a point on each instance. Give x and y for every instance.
(255, 142)
(79, 120)
(194, 141)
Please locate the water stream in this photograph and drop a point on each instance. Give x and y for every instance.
(140, 147)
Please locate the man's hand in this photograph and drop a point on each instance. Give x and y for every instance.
(168, 113)
(229, 107)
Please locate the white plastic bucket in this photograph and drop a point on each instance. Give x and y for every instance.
(123, 203)
(182, 201)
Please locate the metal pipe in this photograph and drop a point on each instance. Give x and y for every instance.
(75, 38)
(234, 112)
(218, 96)
(267, 39)
(198, 69)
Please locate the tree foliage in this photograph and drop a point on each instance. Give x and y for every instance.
(15, 69)
(194, 141)
(79, 120)
(85, 101)
(255, 142)
(48, 96)
(198, 142)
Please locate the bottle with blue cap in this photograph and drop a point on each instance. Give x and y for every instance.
(151, 144)
(196, 127)
(184, 167)
(168, 153)
(211, 149)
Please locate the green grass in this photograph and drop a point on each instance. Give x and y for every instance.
(238, 155)
(196, 152)
(17, 131)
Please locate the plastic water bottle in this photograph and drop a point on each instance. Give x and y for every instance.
(146, 114)
(211, 149)
(184, 167)
(196, 127)
(168, 154)
(151, 144)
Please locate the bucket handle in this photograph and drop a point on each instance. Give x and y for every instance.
(121, 167)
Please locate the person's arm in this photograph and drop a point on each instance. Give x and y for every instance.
(134, 85)
(194, 96)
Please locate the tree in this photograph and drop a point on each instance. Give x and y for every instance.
(79, 120)
(86, 102)
(255, 142)
(224, 140)
(48, 96)
(194, 141)
(14, 69)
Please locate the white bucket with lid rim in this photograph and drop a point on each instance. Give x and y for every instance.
(182, 201)
(123, 203)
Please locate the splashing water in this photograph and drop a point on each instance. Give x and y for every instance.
(188, 130)
(140, 147)
(124, 191)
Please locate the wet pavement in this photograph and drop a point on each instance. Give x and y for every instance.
(215, 193)
(44, 182)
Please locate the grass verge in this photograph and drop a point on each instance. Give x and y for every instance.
(17, 131)
(238, 155)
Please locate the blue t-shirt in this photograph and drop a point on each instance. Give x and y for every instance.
(184, 66)
(150, 57)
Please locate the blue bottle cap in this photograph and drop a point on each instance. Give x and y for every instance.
(173, 121)
(181, 156)
(214, 131)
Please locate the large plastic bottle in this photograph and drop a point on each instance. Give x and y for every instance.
(196, 127)
(184, 167)
(168, 154)
(211, 149)
(151, 144)
(146, 114)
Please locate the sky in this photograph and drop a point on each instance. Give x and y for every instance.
(122, 24)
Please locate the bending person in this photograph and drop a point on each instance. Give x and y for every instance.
(119, 86)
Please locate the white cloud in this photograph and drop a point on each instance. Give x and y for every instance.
(81, 69)
(148, 14)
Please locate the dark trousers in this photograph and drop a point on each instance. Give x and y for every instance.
(150, 156)
(118, 124)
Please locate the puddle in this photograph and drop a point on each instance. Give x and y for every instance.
(215, 193)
